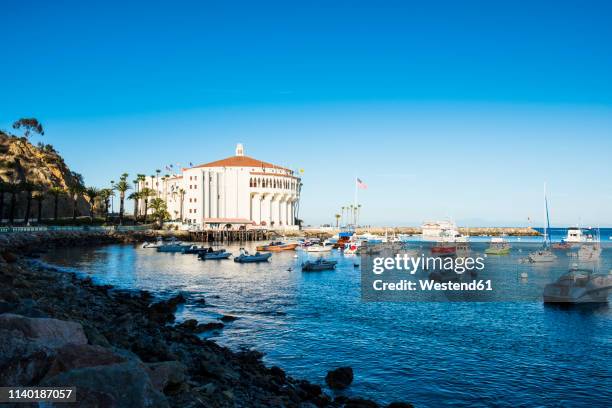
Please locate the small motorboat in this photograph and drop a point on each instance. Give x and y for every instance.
(194, 249)
(278, 246)
(561, 245)
(319, 248)
(245, 257)
(579, 286)
(444, 249)
(319, 265)
(171, 248)
(498, 246)
(542, 255)
(158, 242)
(214, 255)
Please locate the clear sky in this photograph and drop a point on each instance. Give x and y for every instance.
(457, 109)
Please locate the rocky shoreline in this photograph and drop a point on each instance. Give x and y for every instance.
(123, 348)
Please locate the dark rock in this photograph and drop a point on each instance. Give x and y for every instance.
(164, 310)
(168, 376)
(50, 332)
(22, 361)
(400, 405)
(117, 385)
(6, 307)
(360, 403)
(203, 327)
(310, 390)
(79, 356)
(228, 318)
(9, 257)
(278, 373)
(190, 325)
(199, 301)
(339, 378)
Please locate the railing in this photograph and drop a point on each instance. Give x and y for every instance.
(43, 228)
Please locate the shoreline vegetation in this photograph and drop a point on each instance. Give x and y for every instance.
(123, 348)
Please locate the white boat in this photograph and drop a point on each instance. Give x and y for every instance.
(589, 252)
(577, 235)
(438, 230)
(319, 248)
(579, 286)
(158, 242)
(542, 255)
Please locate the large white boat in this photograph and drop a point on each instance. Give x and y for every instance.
(435, 230)
(579, 286)
(577, 235)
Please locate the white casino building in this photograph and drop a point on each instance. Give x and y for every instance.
(237, 190)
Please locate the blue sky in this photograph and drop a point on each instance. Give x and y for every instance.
(445, 109)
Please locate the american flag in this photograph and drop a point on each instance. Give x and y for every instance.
(361, 184)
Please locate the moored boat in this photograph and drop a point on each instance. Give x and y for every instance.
(220, 254)
(319, 265)
(174, 247)
(245, 257)
(319, 248)
(444, 249)
(278, 246)
(498, 246)
(579, 286)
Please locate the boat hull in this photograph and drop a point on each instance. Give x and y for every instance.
(277, 248)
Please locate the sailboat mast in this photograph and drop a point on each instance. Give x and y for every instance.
(547, 223)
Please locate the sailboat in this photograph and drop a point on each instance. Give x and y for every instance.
(544, 254)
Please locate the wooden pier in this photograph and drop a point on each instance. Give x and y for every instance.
(231, 235)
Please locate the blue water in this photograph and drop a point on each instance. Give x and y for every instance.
(431, 354)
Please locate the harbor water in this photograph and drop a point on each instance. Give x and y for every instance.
(428, 353)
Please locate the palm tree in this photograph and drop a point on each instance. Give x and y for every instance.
(29, 189)
(160, 211)
(135, 196)
(182, 199)
(105, 195)
(338, 216)
(39, 197)
(76, 190)
(157, 181)
(122, 186)
(92, 193)
(56, 192)
(358, 211)
(343, 213)
(146, 192)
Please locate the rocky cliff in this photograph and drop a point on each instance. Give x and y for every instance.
(21, 161)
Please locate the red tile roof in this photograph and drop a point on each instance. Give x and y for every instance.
(241, 161)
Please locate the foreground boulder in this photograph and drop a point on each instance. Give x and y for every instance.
(111, 386)
(168, 376)
(52, 333)
(339, 378)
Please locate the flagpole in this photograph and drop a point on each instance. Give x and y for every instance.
(355, 203)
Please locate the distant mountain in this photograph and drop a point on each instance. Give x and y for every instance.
(21, 161)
